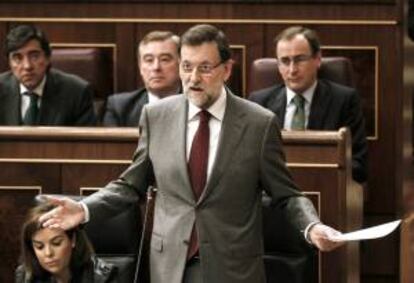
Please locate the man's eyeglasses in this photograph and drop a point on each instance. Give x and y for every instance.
(296, 60)
(203, 69)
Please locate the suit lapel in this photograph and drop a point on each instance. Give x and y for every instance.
(279, 105)
(13, 103)
(135, 108)
(319, 106)
(49, 107)
(178, 131)
(232, 130)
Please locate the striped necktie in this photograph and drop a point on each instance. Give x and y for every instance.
(298, 121)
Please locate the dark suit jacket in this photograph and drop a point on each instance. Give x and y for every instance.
(333, 106)
(124, 109)
(66, 101)
(228, 214)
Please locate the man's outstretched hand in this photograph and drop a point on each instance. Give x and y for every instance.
(67, 215)
(320, 234)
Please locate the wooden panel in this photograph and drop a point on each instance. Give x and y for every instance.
(315, 175)
(74, 177)
(3, 59)
(407, 250)
(71, 32)
(46, 176)
(205, 11)
(103, 144)
(375, 251)
(126, 61)
(217, 1)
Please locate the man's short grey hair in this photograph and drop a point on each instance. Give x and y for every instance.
(159, 35)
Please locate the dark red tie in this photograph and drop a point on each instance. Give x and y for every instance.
(197, 167)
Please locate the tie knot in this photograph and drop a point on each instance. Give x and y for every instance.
(31, 95)
(204, 116)
(299, 100)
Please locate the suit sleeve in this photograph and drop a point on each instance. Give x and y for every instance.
(85, 110)
(354, 119)
(130, 187)
(278, 183)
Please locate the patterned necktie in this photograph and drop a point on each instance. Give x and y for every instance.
(197, 167)
(298, 121)
(30, 117)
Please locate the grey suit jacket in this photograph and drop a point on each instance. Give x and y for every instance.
(333, 106)
(66, 101)
(124, 109)
(228, 214)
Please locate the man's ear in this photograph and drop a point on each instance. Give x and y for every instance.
(228, 67)
(318, 56)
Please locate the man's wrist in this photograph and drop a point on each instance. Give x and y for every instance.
(307, 230)
(85, 212)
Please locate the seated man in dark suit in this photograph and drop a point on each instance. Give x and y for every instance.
(305, 102)
(33, 93)
(158, 64)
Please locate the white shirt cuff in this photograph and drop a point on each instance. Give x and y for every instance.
(86, 210)
(306, 232)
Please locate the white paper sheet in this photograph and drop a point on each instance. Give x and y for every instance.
(368, 233)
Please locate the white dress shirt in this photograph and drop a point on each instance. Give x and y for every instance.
(291, 107)
(25, 101)
(217, 113)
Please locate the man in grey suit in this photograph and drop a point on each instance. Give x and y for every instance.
(157, 56)
(33, 93)
(207, 216)
(326, 105)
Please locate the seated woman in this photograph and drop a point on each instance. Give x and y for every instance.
(55, 255)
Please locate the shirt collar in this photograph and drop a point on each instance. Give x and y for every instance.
(216, 110)
(38, 90)
(307, 94)
(152, 98)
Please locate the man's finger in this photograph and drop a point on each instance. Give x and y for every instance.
(53, 200)
(50, 223)
(48, 216)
